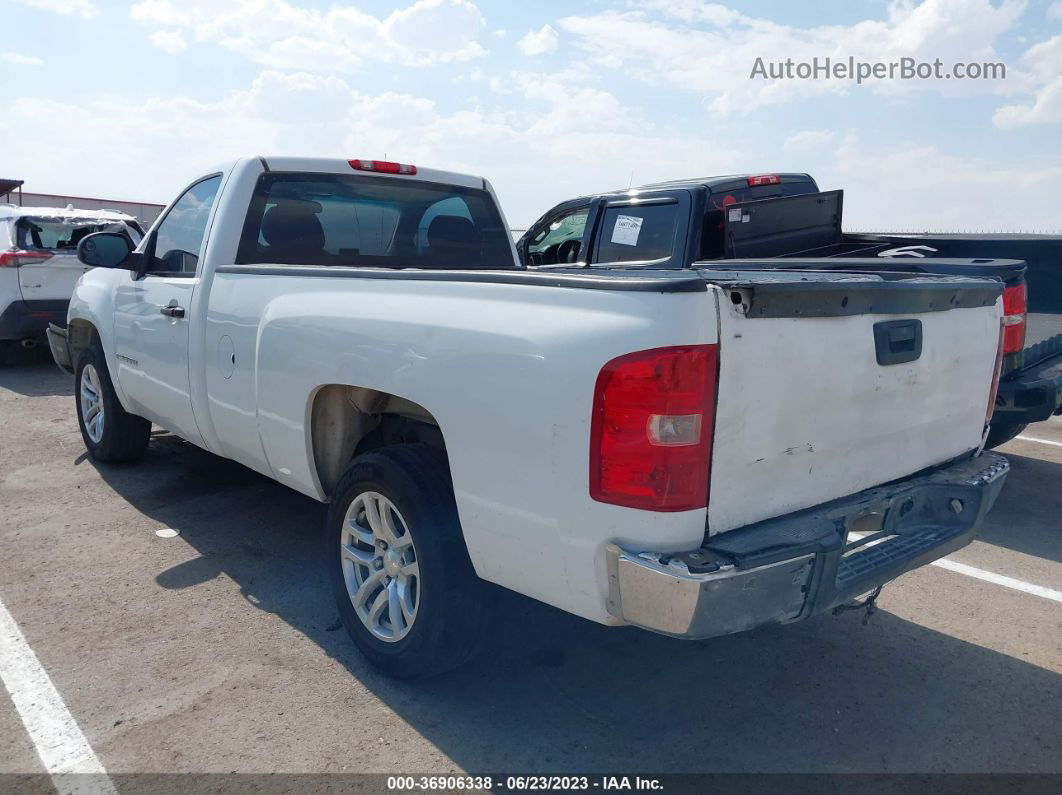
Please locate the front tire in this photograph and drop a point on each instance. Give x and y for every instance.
(401, 576)
(111, 434)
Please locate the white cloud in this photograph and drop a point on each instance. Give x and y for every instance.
(1045, 109)
(539, 42)
(710, 49)
(564, 138)
(309, 114)
(283, 35)
(20, 59)
(924, 188)
(807, 140)
(83, 7)
(170, 41)
(1043, 76)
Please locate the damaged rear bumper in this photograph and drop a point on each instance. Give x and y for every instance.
(1034, 395)
(58, 341)
(792, 567)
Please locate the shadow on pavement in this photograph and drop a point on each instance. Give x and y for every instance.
(36, 377)
(557, 693)
(1028, 515)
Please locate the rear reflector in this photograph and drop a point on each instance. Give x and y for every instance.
(382, 166)
(651, 428)
(1015, 305)
(13, 259)
(765, 179)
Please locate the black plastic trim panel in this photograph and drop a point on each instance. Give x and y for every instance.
(631, 281)
(818, 294)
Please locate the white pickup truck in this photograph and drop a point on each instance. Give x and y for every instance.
(696, 452)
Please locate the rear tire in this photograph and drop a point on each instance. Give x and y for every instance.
(1002, 433)
(111, 434)
(401, 576)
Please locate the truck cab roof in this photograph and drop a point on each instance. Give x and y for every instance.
(713, 184)
(331, 165)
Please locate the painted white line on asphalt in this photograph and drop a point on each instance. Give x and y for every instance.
(1041, 441)
(981, 574)
(999, 579)
(58, 740)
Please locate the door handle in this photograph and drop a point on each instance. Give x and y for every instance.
(898, 341)
(172, 310)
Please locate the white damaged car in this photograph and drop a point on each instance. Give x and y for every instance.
(39, 265)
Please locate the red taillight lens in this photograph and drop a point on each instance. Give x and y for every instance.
(651, 429)
(12, 259)
(996, 373)
(383, 166)
(764, 179)
(1015, 305)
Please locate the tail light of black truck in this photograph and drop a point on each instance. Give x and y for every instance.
(1015, 305)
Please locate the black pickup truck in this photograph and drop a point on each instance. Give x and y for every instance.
(783, 221)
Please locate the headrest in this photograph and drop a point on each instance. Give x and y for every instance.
(291, 225)
(451, 229)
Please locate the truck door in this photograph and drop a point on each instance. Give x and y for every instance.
(151, 315)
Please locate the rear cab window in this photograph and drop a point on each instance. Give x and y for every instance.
(713, 246)
(299, 218)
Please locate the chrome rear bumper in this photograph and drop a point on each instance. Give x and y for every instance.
(795, 566)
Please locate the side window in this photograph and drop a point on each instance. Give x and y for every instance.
(634, 233)
(180, 235)
(559, 240)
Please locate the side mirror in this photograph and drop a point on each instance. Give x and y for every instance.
(106, 250)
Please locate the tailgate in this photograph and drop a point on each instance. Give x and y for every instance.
(831, 383)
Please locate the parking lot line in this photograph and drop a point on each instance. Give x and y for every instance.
(981, 574)
(999, 579)
(56, 737)
(1040, 441)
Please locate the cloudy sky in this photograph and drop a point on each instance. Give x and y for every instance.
(546, 99)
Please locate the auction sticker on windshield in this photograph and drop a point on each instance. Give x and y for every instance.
(626, 230)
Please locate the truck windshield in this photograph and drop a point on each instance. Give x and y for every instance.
(335, 219)
(61, 235)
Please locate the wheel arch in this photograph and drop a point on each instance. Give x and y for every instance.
(347, 420)
(80, 334)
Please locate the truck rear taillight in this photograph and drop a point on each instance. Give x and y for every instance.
(13, 259)
(383, 166)
(764, 179)
(651, 428)
(1015, 305)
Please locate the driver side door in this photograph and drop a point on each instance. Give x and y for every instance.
(151, 314)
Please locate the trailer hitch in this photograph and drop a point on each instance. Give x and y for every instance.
(870, 604)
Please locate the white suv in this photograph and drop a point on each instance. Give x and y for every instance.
(39, 265)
